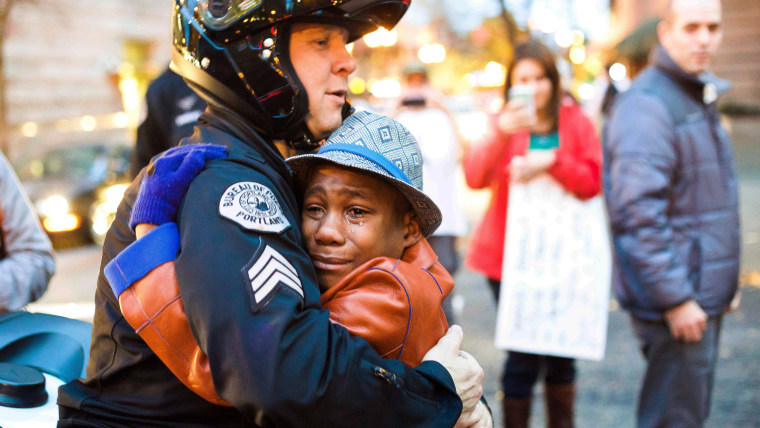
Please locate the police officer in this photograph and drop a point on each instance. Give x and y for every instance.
(271, 71)
(172, 111)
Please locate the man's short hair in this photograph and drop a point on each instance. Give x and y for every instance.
(667, 12)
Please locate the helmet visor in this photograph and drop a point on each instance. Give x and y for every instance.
(220, 14)
(359, 17)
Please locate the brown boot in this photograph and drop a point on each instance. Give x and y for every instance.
(516, 412)
(560, 403)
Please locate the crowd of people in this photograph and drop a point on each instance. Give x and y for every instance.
(326, 298)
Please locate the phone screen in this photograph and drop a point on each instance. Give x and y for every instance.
(523, 94)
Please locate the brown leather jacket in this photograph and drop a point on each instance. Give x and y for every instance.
(394, 304)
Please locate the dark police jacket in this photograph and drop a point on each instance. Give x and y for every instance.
(253, 304)
(172, 112)
(671, 193)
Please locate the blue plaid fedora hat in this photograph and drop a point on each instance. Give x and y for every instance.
(377, 144)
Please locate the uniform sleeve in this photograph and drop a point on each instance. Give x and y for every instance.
(143, 278)
(640, 168)
(481, 161)
(579, 163)
(253, 306)
(27, 263)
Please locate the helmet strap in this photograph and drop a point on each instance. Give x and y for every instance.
(306, 142)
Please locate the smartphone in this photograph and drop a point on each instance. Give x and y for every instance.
(414, 102)
(523, 95)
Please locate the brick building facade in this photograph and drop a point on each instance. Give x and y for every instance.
(65, 60)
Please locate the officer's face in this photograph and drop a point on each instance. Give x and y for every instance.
(322, 63)
(691, 33)
(349, 218)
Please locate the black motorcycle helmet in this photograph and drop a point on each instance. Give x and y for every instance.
(234, 53)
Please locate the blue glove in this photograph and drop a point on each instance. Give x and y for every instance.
(167, 179)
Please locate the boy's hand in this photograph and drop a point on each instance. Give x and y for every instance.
(167, 180)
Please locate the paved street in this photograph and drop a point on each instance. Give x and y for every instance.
(607, 389)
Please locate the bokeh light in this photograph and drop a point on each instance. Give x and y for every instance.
(357, 85)
(381, 37)
(88, 123)
(577, 55)
(121, 119)
(617, 71)
(386, 88)
(586, 91)
(564, 38)
(432, 53)
(29, 129)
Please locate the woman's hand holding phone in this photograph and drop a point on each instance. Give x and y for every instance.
(520, 111)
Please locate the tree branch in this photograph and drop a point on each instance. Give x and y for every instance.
(509, 22)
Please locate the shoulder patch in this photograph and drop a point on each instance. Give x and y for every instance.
(267, 273)
(253, 206)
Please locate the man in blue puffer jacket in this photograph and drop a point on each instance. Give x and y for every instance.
(672, 197)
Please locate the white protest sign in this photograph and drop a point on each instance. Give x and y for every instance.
(554, 297)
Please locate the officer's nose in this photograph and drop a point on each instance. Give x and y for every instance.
(330, 230)
(343, 62)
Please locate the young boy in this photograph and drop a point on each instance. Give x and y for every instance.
(364, 222)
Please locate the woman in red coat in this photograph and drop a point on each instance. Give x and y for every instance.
(563, 143)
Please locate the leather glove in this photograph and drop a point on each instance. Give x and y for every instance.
(167, 179)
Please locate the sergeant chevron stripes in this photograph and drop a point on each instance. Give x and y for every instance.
(269, 270)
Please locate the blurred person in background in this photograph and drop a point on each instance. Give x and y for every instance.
(671, 193)
(26, 254)
(606, 91)
(422, 110)
(171, 112)
(555, 138)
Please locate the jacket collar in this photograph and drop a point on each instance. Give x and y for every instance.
(705, 86)
(420, 255)
(231, 123)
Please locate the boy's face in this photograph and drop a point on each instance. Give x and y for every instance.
(319, 56)
(349, 218)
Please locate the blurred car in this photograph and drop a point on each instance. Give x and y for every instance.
(76, 189)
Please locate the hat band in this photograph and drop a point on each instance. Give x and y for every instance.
(375, 157)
